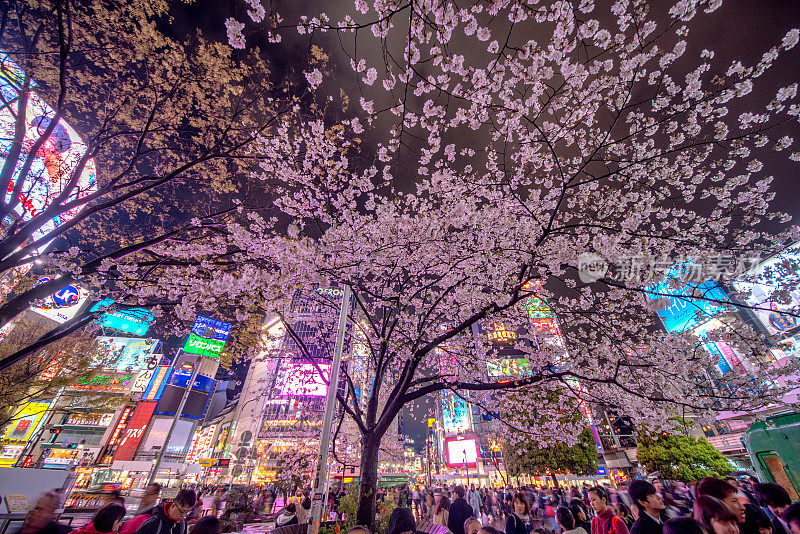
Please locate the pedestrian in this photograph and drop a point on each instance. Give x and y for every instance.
(474, 500)
(207, 525)
(460, 511)
(401, 521)
(580, 515)
(429, 504)
(683, 525)
(624, 512)
(566, 520)
(441, 512)
(716, 516)
(288, 516)
(519, 520)
(302, 512)
(792, 517)
(115, 496)
(650, 505)
(149, 499)
(41, 518)
(605, 522)
(170, 517)
(759, 521)
(777, 500)
(724, 491)
(416, 500)
(106, 519)
(472, 526)
(216, 504)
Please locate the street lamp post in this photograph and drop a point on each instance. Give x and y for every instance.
(321, 476)
(178, 412)
(466, 466)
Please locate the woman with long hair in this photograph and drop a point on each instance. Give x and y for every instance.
(715, 516)
(441, 512)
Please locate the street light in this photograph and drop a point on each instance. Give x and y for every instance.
(163, 450)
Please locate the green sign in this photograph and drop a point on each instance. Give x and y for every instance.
(203, 346)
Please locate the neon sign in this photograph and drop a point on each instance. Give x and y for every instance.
(501, 334)
(304, 380)
(104, 383)
(207, 337)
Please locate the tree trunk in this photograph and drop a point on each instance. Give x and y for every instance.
(555, 480)
(368, 481)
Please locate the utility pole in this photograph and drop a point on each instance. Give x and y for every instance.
(321, 476)
(178, 412)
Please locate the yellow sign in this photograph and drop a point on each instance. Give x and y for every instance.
(501, 334)
(207, 462)
(25, 421)
(431, 422)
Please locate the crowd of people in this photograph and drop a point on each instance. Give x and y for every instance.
(711, 506)
(168, 517)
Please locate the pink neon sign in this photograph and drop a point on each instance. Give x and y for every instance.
(304, 380)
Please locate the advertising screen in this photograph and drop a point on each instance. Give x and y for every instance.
(135, 321)
(54, 164)
(508, 367)
(197, 400)
(765, 283)
(455, 414)
(23, 425)
(118, 383)
(125, 353)
(62, 305)
(134, 431)
(461, 452)
(304, 380)
(207, 337)
(157, 383)
(683, 311)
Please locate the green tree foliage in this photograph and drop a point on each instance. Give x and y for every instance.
(525, 453)
(681, 458)
(560, 457)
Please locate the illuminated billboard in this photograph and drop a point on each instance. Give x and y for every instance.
(455, 413)
(196, 401)
(461, 452)
(125, 353)
(541, 316)
(727, 358)
(62, 305)
(304, 380)
(157, 383)
(135, 321)
(117, 383)
(684, 311)
(23, 425)
(508, 367)
(207, 337)
(55, 162)
(765, 281)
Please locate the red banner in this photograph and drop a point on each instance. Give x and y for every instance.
(135, 430)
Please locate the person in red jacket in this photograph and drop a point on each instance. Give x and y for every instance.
(605, 522)
(106, 519)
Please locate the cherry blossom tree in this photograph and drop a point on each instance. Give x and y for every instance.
(116, 137)
(496, 148)
(509, 139)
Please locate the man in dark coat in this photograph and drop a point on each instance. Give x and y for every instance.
(651, 507)
(460, 511)
(170, 517)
